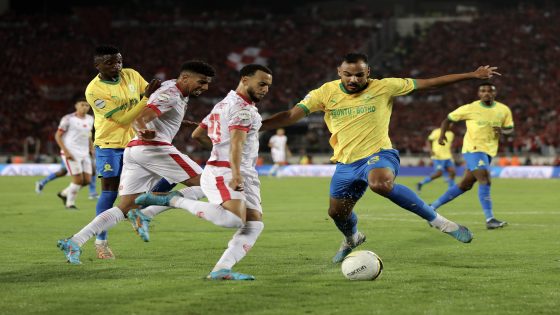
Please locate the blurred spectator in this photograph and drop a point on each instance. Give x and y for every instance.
(503, 161)
(301, 47)
(515, 161)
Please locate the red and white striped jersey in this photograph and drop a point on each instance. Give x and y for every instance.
(233, 112)
(77, 132)
(171, 105)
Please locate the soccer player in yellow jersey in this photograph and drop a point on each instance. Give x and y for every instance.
(441, 158)
(357, 112)
(486, 121)
(116, 97)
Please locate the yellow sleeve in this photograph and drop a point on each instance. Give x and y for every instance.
(104, 106)
(398, 86)
(508, 119)
(432, 136)
(125, 118)
(313, 101)
(461, 113)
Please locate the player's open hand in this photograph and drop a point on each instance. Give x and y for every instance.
(146, 134)
(485, 72)
(152, 87)
(442, 140)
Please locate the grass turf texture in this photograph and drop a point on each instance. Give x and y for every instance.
(515, 270)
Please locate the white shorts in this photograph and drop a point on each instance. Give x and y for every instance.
(278, 156)
(145, 165)
(78, 165)
(214, 183)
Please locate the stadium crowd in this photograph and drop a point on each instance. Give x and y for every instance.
(523, 42)
(47, 62)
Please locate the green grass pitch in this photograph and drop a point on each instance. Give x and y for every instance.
(515, 270)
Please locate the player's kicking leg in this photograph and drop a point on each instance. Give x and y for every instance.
(226, 208)
(72, 246)
(141, 218)
(381, 176)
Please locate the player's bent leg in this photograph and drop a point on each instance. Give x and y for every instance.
(380, 180)
(340, 210)
(238, 247)
(428, 179)
(100, 223)
(455, 190)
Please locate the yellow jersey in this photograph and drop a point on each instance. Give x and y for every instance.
(111, 100)
(441, 152)
(358, 122)
(480, 120)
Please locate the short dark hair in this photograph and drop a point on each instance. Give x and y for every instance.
(106, 50)
(200, 67)
(486, 84)
(354, 57)
(251, 69)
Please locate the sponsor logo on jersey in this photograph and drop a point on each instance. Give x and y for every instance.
(373, 160)
(99, 104)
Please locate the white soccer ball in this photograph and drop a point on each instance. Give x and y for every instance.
(362, 265)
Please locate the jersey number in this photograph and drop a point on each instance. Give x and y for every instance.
(214, 131)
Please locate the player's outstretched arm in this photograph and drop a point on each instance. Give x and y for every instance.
(125, 118)
(483, 73)
(283, 119)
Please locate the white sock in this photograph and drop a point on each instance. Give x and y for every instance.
(65, 191)
(71, 194)
(444, 224)
(193, 193)
(216, 214)
(242, 241)
(100, 223)
(152, 211)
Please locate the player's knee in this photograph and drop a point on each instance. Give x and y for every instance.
(336, 214)
(465, 186)
(382, 187)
